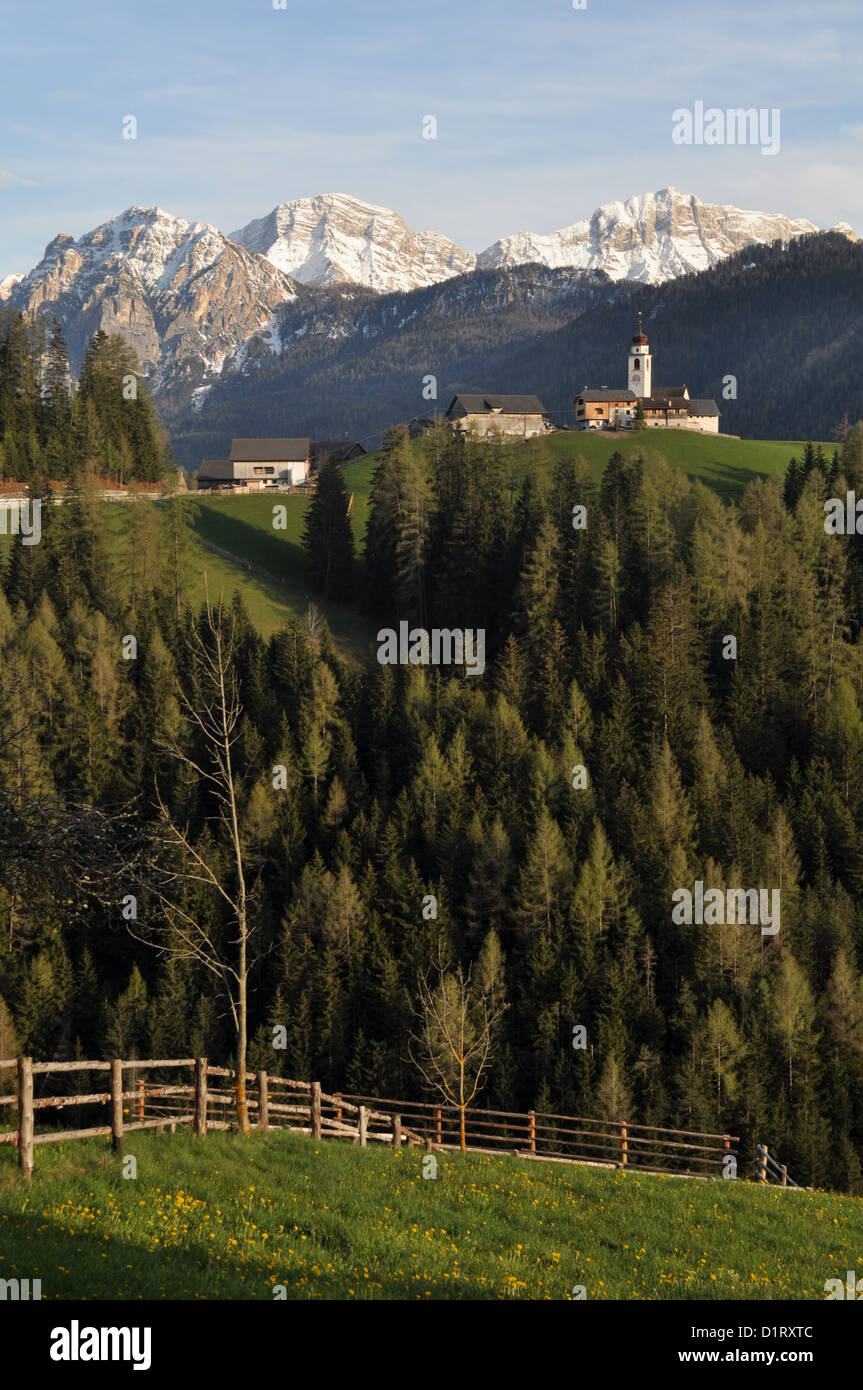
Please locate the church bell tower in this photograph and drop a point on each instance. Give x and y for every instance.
(640, 379)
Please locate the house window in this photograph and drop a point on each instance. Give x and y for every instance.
(260, 471)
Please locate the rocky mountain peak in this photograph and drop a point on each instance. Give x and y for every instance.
(334, 238)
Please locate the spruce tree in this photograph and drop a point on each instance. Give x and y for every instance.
(328, 537)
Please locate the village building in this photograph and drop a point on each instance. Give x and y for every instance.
(258, 463)
(669, 407)
(519, 417)
(342, 450)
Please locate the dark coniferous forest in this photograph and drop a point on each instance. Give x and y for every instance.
(606, 648)
(54, 429)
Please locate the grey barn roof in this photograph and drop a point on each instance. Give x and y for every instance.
(658, 402)
(216, 468)
(702, 407)
(339, 448)
(270, 450)
(606, 395)
(508, 405)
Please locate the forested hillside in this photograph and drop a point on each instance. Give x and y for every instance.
(52, 428)
(604, 648)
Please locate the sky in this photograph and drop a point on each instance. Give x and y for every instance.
(543, 110)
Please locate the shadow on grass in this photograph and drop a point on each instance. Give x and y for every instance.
(279, 566)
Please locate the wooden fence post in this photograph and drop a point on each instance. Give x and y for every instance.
(139, 1086)
(624, 1154)
(438, 1126)
(762, 1176)
(784, 1175)
(338, 1099)
(117, 1105)
(316, 1109)
(25, 1115)
(201, 1097)
(362, 1125)
(531, 1130)
(397, 1131)
(263, 1102)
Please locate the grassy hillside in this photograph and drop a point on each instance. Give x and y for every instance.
(725, 465)
(223, 1218)
(234, 549)
(236, 546)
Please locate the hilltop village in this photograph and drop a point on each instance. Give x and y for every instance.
(288, 463)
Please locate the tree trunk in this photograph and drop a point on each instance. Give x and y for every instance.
(242, 1101)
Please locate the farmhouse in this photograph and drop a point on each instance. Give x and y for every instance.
(516, 416)
(669, 407)
(342, 450)
(258, 463)
(605, 409)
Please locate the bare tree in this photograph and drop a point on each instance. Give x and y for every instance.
(452, 1044)
(211, 708)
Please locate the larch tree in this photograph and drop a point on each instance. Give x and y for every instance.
(184, 864)
(455, 1024)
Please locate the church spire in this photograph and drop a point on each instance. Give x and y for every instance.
(640, 375)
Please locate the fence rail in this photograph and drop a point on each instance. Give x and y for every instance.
(768, 1170)
(274, 1102)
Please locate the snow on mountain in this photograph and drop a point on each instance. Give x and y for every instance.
(194, 303)
(334, 239)
(652, 237)
(7, 285)
(183, 295)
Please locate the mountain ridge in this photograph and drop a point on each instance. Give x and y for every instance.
(650, 237)
(202, 309)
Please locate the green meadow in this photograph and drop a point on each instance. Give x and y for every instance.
(284, 1215)
(723, 464)
(236, 549)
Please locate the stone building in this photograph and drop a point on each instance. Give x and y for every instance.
(669, 407)
(517, 417)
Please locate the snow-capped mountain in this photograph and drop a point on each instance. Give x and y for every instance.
(651, 238)
(182, 294)
(7, 285)
(198, 306)
(335, 239)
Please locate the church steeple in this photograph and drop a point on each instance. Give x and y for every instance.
(640, 378)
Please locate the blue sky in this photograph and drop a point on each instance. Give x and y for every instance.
(543, 111)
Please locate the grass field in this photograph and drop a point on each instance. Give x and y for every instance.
(238, 550)
(230, 1219)
(723, 464)
(235, 549)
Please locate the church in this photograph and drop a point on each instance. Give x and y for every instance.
(661, 408)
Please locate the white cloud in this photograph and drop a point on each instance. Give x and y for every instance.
(10, 180)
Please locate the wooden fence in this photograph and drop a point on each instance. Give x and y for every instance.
(140, 1098)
